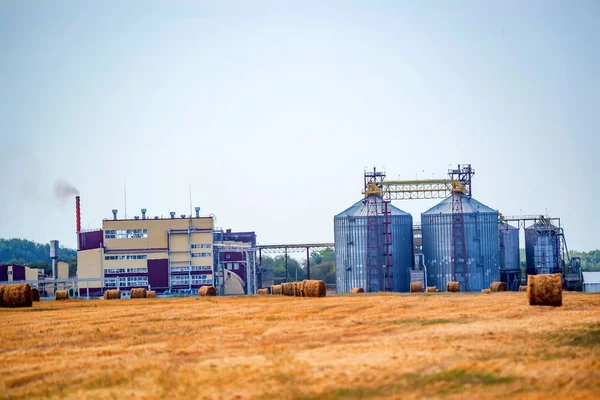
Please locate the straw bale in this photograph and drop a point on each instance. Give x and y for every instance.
(262, 292)
(112, 294)
(357, 290)
(486, 291)
(61, 295)
(453, 287)
(151, 294)
(438, 290)
(276, 289)
(416, 287)
(498, 287)
(13, 296)
(35, 294)
(523, 288)
(207, 291)
(314, 288)
(288, 288)
(138, 293)
(2, 287)
(431, 289)
(544, 290)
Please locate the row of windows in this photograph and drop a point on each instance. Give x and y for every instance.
(127, 281)
(126, 271)
(128, 257)
(196, 280)
(418, 235)
(201, 246)
(195, 268)
(195, 255)
(125, 233)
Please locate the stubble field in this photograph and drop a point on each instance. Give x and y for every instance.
(361, 346)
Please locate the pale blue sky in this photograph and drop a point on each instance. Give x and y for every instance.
(273, 111)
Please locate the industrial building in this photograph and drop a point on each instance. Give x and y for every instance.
(234, 253)
(509, 255)
(16, 272)
(543, 248)
(173, 254)
(352, 242)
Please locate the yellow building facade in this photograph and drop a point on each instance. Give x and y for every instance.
(163, 254)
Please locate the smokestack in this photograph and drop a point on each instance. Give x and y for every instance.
(78, 213)
(172, 214)
(115, 214)
(54, 257)
(143, 213)
(197, 212)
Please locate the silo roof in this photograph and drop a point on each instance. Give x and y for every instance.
(469, 206)
(359, 209)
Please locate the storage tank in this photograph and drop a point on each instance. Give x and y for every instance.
(481, 237)
(542, 249)
(509, 255)
(350, 237)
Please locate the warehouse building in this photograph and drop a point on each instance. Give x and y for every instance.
(173, 255)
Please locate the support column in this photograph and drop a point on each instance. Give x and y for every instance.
(286, 265)
(307, 263)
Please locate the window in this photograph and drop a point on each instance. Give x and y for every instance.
(201, 246)
(125, 233)
(228, 265)
(202, 268)
(201, 280)
(180, 269)
(236, 265)
(127, 257)
(126, 281)
(126, 271)
(418, 235)
(196, 255)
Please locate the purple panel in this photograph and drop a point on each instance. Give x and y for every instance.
(158, 273)
(3, 273)
(90, 240)
(18, 273)
(201, 272)
(94, 292)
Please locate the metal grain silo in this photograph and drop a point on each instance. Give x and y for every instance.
(350, 237)
(542, 249)
(509, 255)
(481, 236)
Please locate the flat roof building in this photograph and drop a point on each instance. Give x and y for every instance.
(173, 254)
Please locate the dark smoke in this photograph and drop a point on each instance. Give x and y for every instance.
(63, 189)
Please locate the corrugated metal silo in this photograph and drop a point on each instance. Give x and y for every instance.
(481, 236)
(509, 255)
(542, 249)
(350, 237)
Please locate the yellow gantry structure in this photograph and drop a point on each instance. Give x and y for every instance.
(418, 189)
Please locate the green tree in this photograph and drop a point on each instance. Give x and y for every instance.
(322, 265)
(295, 269)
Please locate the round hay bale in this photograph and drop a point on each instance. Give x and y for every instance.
(523, 288)
(35, 294)
(544, 290)
(431, 289)
(314, 288)
(16, 296)
(61, 295)
(453, 287)
(357, 290)
(498, 287)
(2, 287)
(486, 291)
(112, 294)
(416, 287)
(276, 289)
(151, 294)
(207, 291)
(138, 293)
(262, 292)
(288, 288)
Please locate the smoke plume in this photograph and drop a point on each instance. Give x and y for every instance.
(63, 189)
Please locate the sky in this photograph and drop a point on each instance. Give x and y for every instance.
(271, 111)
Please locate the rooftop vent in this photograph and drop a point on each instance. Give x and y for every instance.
(136, 217)
(197, 212)
(156, 217)
(182, 215)
(115, 214)
(143, 213)
(172, 213)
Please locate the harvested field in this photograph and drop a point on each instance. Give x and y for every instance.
(448, 345)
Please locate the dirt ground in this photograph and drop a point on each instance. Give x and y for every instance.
(378, 346)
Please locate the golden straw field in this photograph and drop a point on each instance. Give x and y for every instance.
(442, 345)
